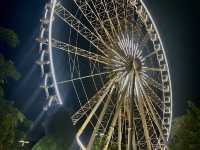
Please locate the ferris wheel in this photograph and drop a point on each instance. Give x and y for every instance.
(117, 70)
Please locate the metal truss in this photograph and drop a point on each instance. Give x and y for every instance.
(132, 109)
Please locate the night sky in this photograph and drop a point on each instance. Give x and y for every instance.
(177, 21)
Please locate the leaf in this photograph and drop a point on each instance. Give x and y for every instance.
(186, 130)
(7, 69)
(9, 37)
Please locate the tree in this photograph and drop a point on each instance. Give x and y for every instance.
(11, 118)
(51, 142)
(7, 70)
(186, 130)
(13, 123)
(8, 37)
(59, 132)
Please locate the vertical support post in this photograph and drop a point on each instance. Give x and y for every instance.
(119, 130)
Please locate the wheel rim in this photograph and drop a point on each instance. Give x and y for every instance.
(131, 105)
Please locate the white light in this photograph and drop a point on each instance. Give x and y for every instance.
(51, 55)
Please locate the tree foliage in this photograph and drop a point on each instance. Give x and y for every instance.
(13, 123)
(186, 130)
(51, 142)
(10, 121)
(8, 37)
(7, 70)
(60, 133)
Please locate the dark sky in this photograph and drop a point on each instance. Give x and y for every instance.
(24, 18)
(177, 21)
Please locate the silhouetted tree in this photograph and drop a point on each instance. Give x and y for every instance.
(10, 117)
(8, 37)
(186, 130)
(59, 132)
(12, 122)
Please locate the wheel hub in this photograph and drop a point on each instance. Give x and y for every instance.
(134, 64)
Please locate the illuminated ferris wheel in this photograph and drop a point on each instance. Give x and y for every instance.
(117, 70)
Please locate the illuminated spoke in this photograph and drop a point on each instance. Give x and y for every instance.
(81, 52)
(98, 23)
(110, 11)
(144, 41)
(119, 130)
(142, 115)
(105, 11)
(153, 96)
(150, 54)
(76, 24)
(100, 8)
(153, 82)
(84, 77)
(93, 19)
(100, 119)
(93, 112)
(153, 111)
(114, 121)
(153, 69)
(89, 104)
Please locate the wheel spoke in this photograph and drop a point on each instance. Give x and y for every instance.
(153, 96)
(144, 41)
(100, 118)
(153, 103)
(117, 20)
(142, 115)
(152, 69)
(152, 111)
(81, 52)
(130, 98)
(114, 120)
(121, 11)
(110, 11)
(88, 105)
(89, 117)
(119, 130)
(89, 76)
(106, 23)
(150, 55)
(100, 8)
(76, 24)
(93, 19)
(153, 82)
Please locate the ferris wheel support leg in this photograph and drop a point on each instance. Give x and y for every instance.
(111, 130)
(147, 100)
(119, 131)
(99, 121)
(150, 105)
(146, 132)
(134, 141)
(130, 123)
(130, 131)
(80, 131)
(143, 118)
